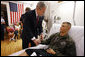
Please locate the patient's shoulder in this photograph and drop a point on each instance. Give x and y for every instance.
(70, 40)
(55, 34)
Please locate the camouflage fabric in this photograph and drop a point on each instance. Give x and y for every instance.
(62, 45)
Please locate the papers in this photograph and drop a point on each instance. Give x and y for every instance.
(33, 54)
(40, 46)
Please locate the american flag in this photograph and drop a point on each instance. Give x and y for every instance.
(16, 11)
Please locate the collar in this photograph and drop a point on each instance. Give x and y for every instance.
(65, 36)
(36, 13)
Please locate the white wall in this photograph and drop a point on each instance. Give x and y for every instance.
(79, 13)
(53, 9)
(47, 15)
(30, 4)
(65, 10)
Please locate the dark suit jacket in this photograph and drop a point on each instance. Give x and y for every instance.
(30, 27)
(22, 18)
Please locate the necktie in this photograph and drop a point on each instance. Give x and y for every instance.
(37, 19)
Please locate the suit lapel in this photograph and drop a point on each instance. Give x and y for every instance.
(34, 18)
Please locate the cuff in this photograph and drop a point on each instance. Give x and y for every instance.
(33, 38)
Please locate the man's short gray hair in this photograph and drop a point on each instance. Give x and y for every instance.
(40, 5)
(67, 23)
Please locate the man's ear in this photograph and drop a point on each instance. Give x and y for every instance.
(40, 9)
(69, 28)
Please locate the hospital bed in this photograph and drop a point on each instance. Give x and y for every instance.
(76, 32)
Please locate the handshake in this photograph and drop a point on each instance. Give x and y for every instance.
(38, 41)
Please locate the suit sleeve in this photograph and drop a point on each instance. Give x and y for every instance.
(21, 17)
(27, 27)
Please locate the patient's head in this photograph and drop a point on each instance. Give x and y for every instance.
(65, 27)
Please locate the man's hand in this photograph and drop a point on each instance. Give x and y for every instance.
(2, 22)
(51, 51)
(41, 36)
(36, 41)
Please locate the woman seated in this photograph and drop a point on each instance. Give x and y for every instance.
(17, 29)
(10, 31)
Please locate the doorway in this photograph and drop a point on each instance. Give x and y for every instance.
(4, 13)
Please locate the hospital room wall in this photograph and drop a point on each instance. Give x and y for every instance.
(30, 4)
(47, 15)
(65, 11)
(79, 13)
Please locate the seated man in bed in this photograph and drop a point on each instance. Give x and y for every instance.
(59, 44)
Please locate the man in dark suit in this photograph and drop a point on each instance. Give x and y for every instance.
(23, 15)
(22, 19)
(32, 26)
